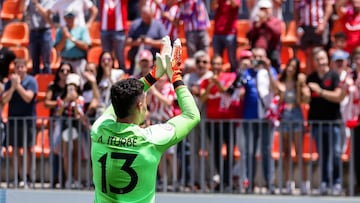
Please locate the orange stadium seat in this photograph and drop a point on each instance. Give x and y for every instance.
(276, 147)
(43, 114)
(305, 110)
(43, 81)
(275, 152)
(9, 152)
(290, 37)
(21, 52)
(95, 33)
(4, 113)
(42, 145)
(243, 27)
(127, 62)
(309, 148)
(211, 30)
(236, 152)
(93, 54)
(286, 54)
(15, 34)
(300, 54)
(11, 10)
(283, 30)
(55, 59)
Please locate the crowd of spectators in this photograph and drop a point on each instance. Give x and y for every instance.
(255, 78)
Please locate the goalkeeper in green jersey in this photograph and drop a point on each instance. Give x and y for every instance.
(125, 157)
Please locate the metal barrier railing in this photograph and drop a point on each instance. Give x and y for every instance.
(237, 156)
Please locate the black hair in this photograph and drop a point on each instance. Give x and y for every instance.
(78, 90)
(340, 35)
(124, 95)
(297, 70)
(57, 77)
(100, 71)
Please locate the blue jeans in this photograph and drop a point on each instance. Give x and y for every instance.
(292, 120)
(328, 145)
(252, 132)
(114, 40)
(40, 46)
(220, 42)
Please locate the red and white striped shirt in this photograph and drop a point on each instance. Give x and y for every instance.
(170, 27)
(113, 15)
(156, 10)
(312, 12)
(159, 112)
(194, 15)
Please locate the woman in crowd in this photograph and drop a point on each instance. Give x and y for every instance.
(106, 76)
(55, 90)
(290, 86)
(70, 108)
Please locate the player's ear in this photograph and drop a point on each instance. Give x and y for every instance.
(140, 102)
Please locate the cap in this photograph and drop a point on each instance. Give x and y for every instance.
(69, 12)
(264, 4)
(339, 55)
(145, 55)
(73, 78)
(245, 54)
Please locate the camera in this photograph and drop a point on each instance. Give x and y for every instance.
(257, 63)
(238, 82)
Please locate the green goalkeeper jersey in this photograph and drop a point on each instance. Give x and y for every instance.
(125, 157)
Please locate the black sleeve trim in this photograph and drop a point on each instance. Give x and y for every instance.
(150, 79)
(178, 83)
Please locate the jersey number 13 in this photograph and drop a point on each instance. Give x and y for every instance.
(129, 159)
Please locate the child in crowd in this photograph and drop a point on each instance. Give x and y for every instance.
(338, 43)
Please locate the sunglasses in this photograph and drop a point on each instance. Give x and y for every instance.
(65, 70)
(90, 70)
(106, 60)
(202, 61)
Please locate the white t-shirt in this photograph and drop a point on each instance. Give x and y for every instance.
(263, 86)
(79, 6)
